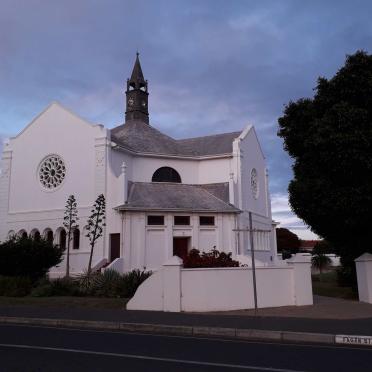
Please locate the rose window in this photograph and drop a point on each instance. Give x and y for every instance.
(254, 183)
(52, 171)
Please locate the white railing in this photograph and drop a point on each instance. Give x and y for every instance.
(116, 265)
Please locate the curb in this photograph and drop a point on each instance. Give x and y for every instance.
(231, 333)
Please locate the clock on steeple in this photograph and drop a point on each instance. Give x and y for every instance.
(137, 95)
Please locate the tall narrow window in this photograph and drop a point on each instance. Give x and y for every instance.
(166, 174)
(76, 236)
(36, 236)
(49, 236)
(62, 239)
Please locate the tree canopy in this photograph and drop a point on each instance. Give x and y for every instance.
(287, 240)
(329, 137)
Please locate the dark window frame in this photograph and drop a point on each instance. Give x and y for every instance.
(154, 217)
(205, 219)
(179, 223)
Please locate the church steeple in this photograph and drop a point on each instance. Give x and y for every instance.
(137, 95)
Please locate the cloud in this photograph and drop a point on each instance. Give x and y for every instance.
(213, 66)
(283, 214)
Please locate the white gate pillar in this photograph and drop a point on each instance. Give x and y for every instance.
(364, 275)
(303, 290)
(172, 284)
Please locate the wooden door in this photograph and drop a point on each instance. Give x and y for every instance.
(180, 247)
(114, 246)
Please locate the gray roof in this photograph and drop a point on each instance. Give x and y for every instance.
(138, 136)
(163, 196)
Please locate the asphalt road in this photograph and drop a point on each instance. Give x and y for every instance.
(26, 348)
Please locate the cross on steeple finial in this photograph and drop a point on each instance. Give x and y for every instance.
(137, 94)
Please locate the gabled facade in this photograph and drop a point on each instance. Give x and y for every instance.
(163, 196)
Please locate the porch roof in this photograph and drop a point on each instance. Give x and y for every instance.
(178, 197)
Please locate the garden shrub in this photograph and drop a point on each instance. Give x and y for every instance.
(26, 257)
(132, 280)
(214, 258)
(57, 287)
(111, 284)
(15, 286)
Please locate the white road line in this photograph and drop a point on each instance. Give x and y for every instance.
(144, 357)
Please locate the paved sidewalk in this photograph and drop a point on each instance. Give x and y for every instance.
(327, 316)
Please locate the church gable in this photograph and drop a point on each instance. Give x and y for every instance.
(60, 151)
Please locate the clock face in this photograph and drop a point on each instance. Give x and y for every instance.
(131, 101)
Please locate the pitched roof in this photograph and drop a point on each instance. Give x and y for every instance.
(162, 196)
(141, 137)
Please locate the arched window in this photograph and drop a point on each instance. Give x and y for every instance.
(22, 234)
(48, 235)
(62, 238)
(35, 234)
(11, 234)
(76, 236)
(166, 174)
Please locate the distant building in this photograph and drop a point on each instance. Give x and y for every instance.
(164, 196)
(308, 245)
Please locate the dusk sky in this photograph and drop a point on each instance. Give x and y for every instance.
(213, 66)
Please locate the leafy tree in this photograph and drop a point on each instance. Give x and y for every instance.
(319, 259)
(27, 257)
(70, 224)
(95, 225)
(287, 240)
(329, 137)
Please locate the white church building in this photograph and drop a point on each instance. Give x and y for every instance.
(163, 196)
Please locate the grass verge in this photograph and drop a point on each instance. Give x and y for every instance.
(327, 285)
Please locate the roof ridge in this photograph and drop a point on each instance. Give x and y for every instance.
(210, 135)
(231, 205)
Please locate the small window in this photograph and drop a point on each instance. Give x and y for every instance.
(155, 220)
(182, 220)
(206, 220)
(76, 236)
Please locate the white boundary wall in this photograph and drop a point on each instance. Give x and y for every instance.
(175, 289)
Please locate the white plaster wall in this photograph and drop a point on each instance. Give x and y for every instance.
(224, 289)
(191, 171)
(149, 246)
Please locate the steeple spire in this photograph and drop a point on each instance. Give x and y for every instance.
(137, 95)
(137, 80)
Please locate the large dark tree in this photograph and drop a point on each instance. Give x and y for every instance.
(287, 241)
(330, 139)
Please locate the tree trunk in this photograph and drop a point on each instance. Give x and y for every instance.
(68, 255)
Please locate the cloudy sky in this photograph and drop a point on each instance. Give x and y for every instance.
(213, 66)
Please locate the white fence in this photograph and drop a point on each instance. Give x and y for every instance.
(173, 288)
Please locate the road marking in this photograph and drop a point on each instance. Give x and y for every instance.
(144, 357)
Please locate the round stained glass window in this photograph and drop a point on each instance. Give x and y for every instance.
(254, 183)
(52, 172)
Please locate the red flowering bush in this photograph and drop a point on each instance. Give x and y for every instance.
(214, 258)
